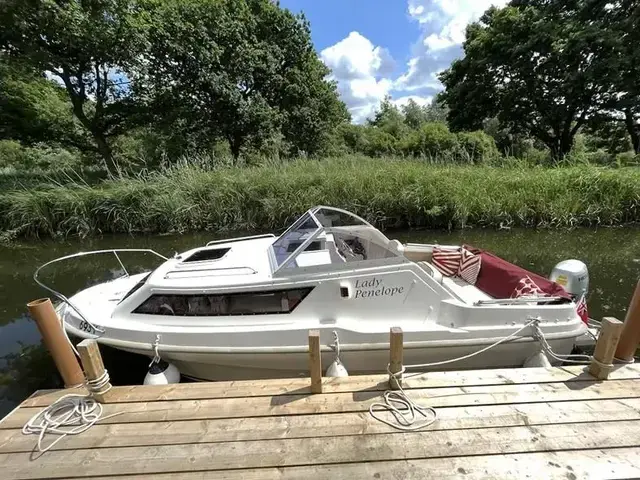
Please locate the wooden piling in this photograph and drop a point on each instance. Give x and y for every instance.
(605, 348)
(93, 365)
(56, 342)
(630, 337)
(395, 357)
(315, 361)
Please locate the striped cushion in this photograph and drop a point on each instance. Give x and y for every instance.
(469, 266)
(446, 260)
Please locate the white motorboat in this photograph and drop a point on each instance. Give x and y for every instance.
(242, 308)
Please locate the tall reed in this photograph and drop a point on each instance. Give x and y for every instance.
(388, 192)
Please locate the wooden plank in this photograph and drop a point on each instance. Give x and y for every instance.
(337, 424)
(350, 402)
(315, 361)
(211, 390)
(602, 361)
(315, 451)
(619, 463)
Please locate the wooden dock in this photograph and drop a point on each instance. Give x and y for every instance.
(508, 423)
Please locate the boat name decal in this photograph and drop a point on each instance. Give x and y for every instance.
(375, 288)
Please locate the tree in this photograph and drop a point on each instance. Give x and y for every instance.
(389, 119)
(414, 115)
(34, 109)
(242, 70)
(90, 46)
(537, 66)
(620, 24)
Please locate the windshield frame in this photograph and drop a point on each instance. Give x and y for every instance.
(321, 229)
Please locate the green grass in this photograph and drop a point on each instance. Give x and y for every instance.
(390, 193)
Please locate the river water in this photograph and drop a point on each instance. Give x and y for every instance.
(612, 255)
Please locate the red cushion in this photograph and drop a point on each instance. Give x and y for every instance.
(446, 260)
(469, 266)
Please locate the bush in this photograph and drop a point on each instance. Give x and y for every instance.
(478, 147)
(430, 140)
(599, 157)
(627, 159)
(352, 136)
(13, 154)
(379, 143)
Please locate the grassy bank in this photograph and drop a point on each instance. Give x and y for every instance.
(389, 193)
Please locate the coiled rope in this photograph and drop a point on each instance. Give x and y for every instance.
(71, 414)
(405, 410)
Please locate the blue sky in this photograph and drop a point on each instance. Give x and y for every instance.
(388, 47)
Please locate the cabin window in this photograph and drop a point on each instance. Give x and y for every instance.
(249, 303)
(207, 254)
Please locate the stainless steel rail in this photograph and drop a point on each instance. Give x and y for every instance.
(240, 239)
(63, 298)
(518, 300)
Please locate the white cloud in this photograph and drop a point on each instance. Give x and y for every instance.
(361, 70)
(364, 71)
(443, 24)
(399, 102)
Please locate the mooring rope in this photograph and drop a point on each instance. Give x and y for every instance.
(71, 414)
(405, 410)
(478, 352)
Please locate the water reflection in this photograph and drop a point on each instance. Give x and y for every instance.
(612, 255)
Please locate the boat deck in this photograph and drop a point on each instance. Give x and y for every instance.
(536, 423)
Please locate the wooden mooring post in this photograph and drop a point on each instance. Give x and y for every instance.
(395, 357)
(315, 361)
(93, 365)
(605, 348)
(56, 342)
(630, 337)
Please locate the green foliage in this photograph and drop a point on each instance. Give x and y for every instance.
(91, 47)
(537, 65)
(478, 146)
(38, 157)
(34, 109)
(627, 159)
(430, 140)
(241, 70)
(607, 134)
(415, 115)
(388, 192)
(379, 142)
(389, 119)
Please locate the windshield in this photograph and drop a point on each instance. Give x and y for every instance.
(327, 236)
(289, 241)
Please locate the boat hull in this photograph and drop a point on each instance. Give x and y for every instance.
(260, 365)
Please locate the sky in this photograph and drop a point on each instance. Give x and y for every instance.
(388, 47)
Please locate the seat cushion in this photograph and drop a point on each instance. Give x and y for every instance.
(469, 266)
(446, 260)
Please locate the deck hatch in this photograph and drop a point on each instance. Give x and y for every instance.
(207, 254)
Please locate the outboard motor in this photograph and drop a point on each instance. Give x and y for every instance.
(573, 276)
